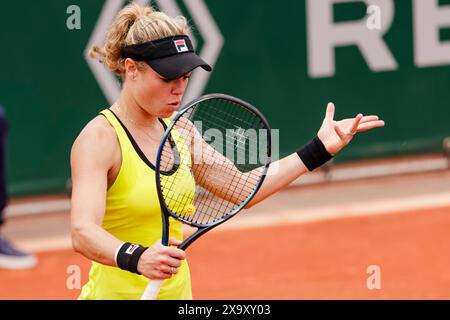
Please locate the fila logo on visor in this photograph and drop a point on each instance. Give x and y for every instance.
(181, 46)
(131, 248)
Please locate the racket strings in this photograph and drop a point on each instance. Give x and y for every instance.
(210, 207)
(216, 183)
(171, 158)
(213, 120)
(240, 187)
(239, 150)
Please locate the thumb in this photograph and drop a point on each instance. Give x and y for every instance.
(329, 116)
(174, 242)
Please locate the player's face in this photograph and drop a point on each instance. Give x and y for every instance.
(158, 96)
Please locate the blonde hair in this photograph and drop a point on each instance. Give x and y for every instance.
(135, 24)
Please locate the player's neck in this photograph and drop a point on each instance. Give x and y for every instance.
(128, 108)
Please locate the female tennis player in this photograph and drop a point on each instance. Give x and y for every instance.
(116, 215)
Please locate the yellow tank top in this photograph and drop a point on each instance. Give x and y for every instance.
(133, 214)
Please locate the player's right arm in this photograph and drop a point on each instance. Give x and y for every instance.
(93, 155)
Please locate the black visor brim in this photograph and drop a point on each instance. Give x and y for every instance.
(176, 66)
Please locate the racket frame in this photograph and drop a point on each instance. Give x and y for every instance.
(165, 211)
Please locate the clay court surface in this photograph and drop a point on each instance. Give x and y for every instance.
(307, 242)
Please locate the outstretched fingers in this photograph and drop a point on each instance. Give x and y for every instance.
(370, 125)
(356, 123)
(368, 119)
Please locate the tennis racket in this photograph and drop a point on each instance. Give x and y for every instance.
(211, 161)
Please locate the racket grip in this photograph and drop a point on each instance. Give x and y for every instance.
(152, 290)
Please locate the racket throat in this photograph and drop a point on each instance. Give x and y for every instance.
(186, 243)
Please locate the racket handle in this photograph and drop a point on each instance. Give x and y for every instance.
(152, 290)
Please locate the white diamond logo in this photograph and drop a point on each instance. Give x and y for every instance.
(204, 22)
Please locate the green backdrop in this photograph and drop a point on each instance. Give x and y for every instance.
(50, 93)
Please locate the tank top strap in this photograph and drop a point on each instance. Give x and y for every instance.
(126, 145)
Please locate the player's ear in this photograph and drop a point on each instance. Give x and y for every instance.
(130, 68)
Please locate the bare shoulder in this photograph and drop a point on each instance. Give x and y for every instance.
(97, 140)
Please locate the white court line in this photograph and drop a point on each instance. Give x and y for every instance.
(356, 209)
(374, 170)
(335, 174)
(62, 242)
(38, 207)
(304, 215)
(377, 170)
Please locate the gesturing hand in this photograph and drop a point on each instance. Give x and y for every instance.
(335, 135)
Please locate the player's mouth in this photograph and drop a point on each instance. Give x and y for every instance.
(175, 105)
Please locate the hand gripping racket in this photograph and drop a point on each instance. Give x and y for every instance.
(212, 160)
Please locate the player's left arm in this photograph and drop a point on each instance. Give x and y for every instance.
(212, 170)
(334, 135)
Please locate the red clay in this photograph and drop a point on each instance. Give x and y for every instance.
(320, 260)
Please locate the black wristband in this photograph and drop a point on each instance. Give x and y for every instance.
(128, 256)
(314, 154)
